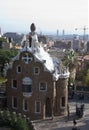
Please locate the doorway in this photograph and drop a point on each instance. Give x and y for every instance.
(48, 107)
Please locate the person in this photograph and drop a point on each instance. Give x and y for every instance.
(74, 122)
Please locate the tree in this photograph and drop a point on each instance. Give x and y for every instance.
(86, 78)
(12, 120)
(2, 39)
(5, 56)
(70, 61)
(69, 58)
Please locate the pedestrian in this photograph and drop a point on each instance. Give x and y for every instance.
(74, 122)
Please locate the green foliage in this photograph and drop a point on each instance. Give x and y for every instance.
(2, 39)
(6, 55)
(2, 79)
(21, 124)
(69, 58)
(84, 75)
(12, 120)
(70, 61)
(87, 77)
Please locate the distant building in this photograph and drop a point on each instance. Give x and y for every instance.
(43, 39)
(76, 44)
(17, 46)
(60, 44)
(36, 83)
(15, 37)
(88, 46)
(7, 45)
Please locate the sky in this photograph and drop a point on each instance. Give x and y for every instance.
(48, 15)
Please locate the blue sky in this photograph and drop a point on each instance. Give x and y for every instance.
(48, 15)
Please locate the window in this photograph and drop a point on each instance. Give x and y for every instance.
(18, 69)
(63, 101)
(25, 105)
(36, 70)
(26, 58)
(37, 107)
(43, 86)
(27, 86)
(14, 83)
(14, 102)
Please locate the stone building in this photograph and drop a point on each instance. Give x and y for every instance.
(36, 83)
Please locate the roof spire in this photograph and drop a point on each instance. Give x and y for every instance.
(32, 27)
(33, 39)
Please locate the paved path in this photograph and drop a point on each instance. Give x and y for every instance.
(83, 124)
(62, 123)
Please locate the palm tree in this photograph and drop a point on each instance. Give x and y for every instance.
(70, 61)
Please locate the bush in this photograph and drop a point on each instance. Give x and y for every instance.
(12, 120)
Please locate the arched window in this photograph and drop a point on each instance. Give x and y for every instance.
(27, 85)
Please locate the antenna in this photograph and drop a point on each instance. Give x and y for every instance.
(84, 29)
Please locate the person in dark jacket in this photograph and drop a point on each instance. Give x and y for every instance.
(74, 122)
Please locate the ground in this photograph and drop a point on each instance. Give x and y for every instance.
(62, 123)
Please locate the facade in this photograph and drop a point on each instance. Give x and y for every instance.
(36, 85)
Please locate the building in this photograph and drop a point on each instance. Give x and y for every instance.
(60, 44)
(36, 84)
(5, 43)
(42, 38)
(76, 44)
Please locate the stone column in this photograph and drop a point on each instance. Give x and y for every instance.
(53, 98)
(44, 111)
